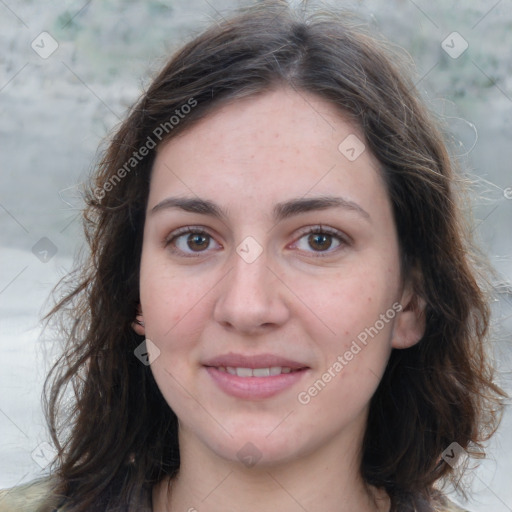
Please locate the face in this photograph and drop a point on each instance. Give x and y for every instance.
(270, 280)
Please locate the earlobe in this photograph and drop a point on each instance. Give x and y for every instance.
(410, 323)
(138, 324)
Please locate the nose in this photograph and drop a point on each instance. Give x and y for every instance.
(251, 299)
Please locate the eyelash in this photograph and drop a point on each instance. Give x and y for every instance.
(197, 230)
(321, 230)
(189, 230)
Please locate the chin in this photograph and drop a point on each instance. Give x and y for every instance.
(260, 446)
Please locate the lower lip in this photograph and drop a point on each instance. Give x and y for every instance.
(254, 387)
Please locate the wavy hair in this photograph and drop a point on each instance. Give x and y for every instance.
(116, 436)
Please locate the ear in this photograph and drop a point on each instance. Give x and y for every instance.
(410, 322)
(138, 324)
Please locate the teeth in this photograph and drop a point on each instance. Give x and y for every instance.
(244, 372)
(261, 372)
(256, 372)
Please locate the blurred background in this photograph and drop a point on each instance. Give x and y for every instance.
(68, 72)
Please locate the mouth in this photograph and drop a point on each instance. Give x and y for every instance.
(254, 377)
(257, 372)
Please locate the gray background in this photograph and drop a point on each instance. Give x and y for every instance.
(55, 111)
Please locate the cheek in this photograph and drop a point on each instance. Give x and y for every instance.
(352, 329)
(175, 312)
(354, 358)
(175, 315)
(349, 304)
(170, 301)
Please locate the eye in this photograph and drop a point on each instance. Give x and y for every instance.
(190, 240)
(320, 240)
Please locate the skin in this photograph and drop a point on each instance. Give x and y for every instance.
(300, 299)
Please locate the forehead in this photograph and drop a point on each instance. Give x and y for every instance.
(272, 146)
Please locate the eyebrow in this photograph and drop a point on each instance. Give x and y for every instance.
(281, 211)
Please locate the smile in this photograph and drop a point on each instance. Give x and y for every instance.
(255, 372)
(255, 383)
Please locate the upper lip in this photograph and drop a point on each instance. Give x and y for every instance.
(254, 361)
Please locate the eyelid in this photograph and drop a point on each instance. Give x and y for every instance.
(186, 229)
(343, 238)
(200, 230)
(321, 228)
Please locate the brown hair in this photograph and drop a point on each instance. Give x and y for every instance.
(119, 436)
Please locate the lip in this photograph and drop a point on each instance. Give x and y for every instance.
(254, 388)
(253, 361)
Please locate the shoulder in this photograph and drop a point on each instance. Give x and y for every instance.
(35, 496)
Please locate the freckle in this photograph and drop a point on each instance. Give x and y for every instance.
(369, 299)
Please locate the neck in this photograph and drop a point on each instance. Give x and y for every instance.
(321, 481)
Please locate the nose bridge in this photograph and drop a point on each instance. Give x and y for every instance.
(249, 279)
(250, 296)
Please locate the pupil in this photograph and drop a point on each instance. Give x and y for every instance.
(197, 241)
(319, 241)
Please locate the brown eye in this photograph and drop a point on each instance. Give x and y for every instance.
(198, 241)
(189, 241)
(320, 241)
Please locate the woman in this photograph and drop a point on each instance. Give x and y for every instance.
(280, 309)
